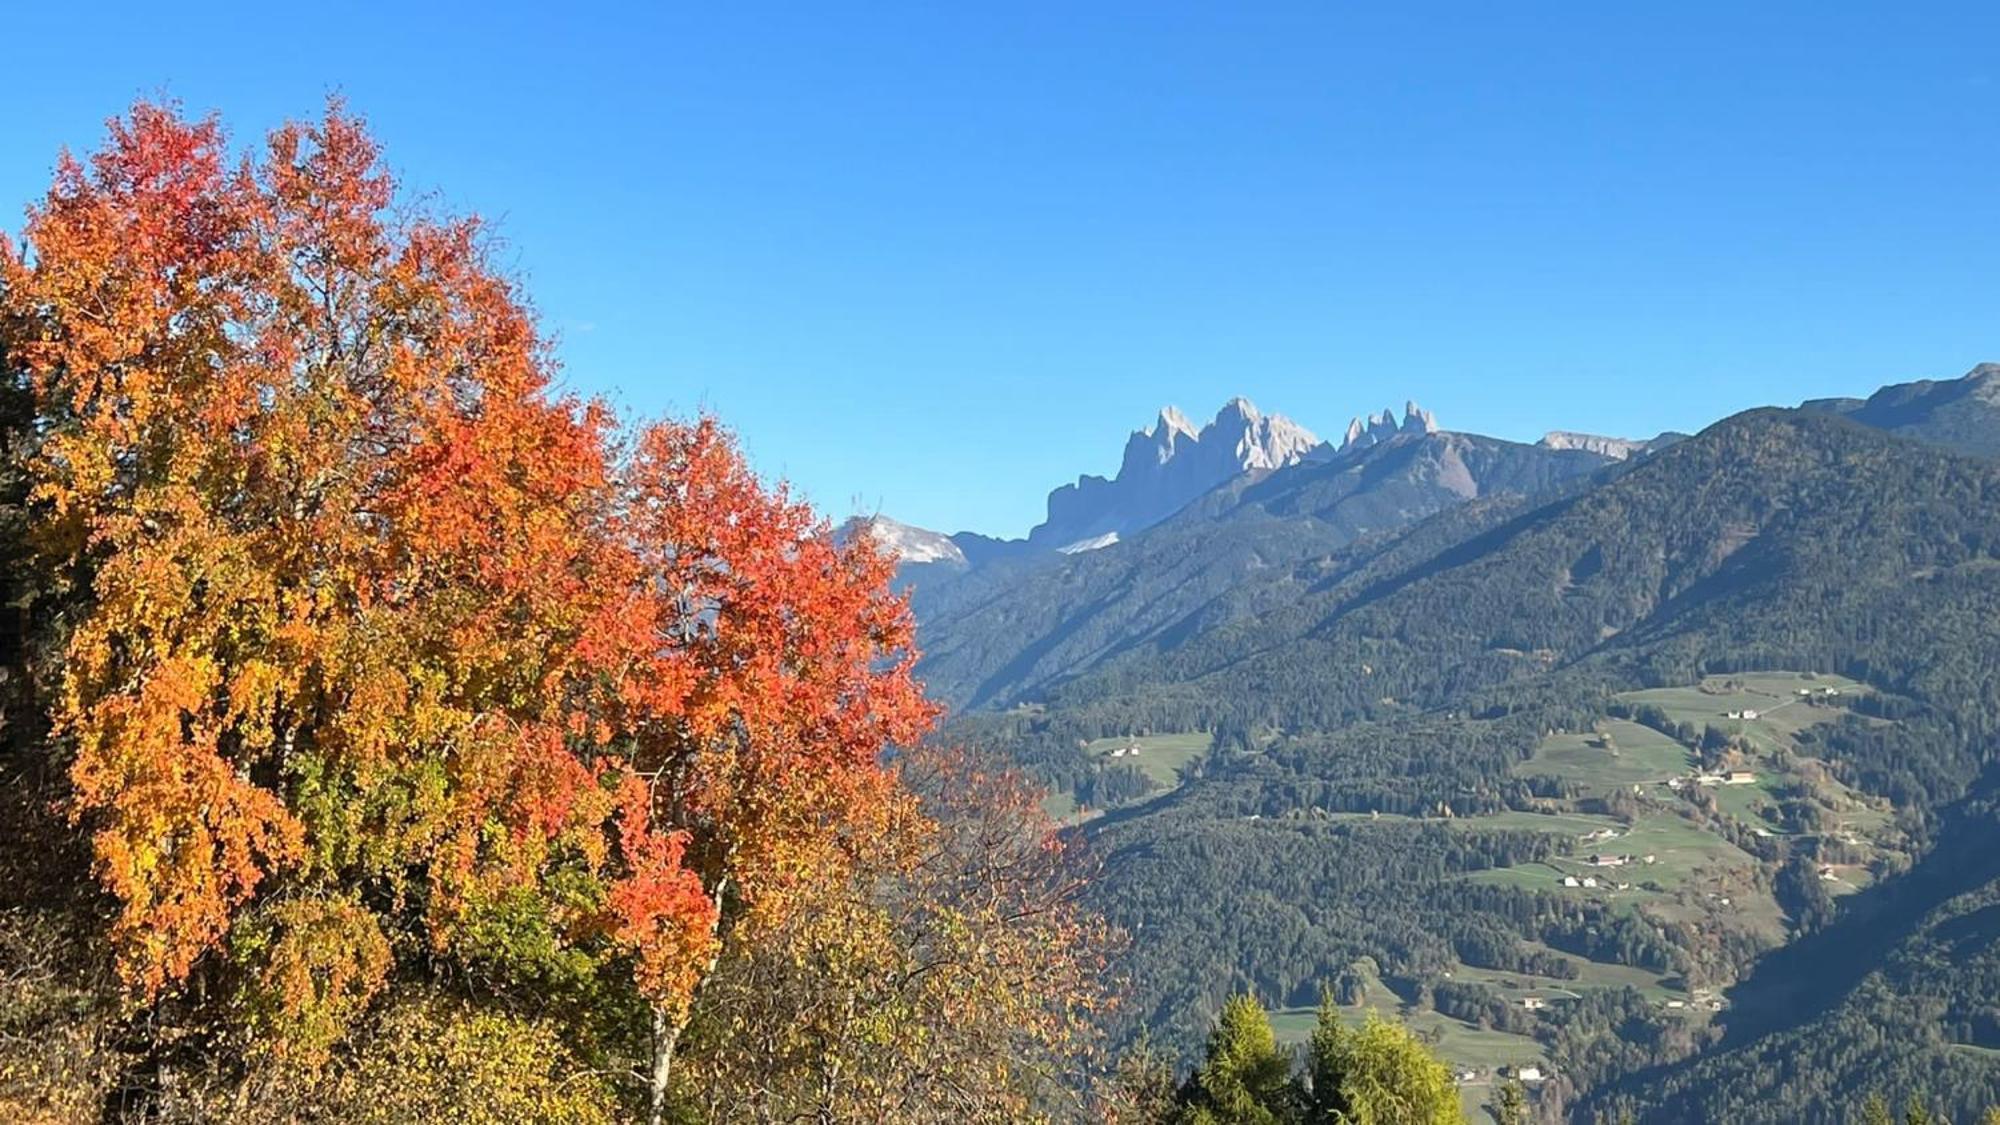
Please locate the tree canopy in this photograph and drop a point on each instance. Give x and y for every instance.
(379, 659)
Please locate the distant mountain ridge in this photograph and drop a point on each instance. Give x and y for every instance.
(1164, 467)
(997, 635)
(1961, 414)
(1172, 463)
(1616, 448)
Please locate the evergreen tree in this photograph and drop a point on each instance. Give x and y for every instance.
(1142, 1086)
(1510, 1103)
(1245, 1079)
(1378, 1074)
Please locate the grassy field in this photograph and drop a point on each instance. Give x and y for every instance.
(1781, 711)
(1681, 851)
(1678, 845)
(1620, 755)
(1060, 806)
(1559, 824)
(1160, 755)
(1748, 803)
(1564, 824)
(1590, 974)
(1526, 876)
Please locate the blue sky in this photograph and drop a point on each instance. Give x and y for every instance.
(934, 259)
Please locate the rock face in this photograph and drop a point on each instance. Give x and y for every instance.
(1616, 448)
(1378, 428)
(1164, 467)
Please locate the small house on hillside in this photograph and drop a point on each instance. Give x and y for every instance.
(1740, 777)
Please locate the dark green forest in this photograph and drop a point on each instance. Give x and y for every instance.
(1375, 704)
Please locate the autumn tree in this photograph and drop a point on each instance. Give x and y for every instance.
(383, 656)
(951, 976)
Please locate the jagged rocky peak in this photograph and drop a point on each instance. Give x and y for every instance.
(1257, 440)
(1373, 428)
(1160, 443)
(1164, 467)
(1172, 421)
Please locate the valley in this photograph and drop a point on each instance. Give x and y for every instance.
(1564, 767)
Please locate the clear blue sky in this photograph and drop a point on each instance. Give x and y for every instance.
(934, 259)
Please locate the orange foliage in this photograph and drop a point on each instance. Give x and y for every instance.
(368, 606)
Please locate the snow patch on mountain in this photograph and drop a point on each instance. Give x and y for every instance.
(1091, 544)
(905, 543)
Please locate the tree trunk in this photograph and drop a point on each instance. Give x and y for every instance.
(666, 1035)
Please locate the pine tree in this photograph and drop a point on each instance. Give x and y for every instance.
(1510, 1103)
(1380, 1074)
(1142, 1087)
(1245, 1079)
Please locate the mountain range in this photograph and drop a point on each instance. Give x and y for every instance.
(1168, 465)
(1396, 675)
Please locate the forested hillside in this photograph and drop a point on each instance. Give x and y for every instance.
(1414, 740)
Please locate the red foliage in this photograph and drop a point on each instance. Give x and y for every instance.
(368, 605)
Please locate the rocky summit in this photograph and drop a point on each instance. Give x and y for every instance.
(1164, 467)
